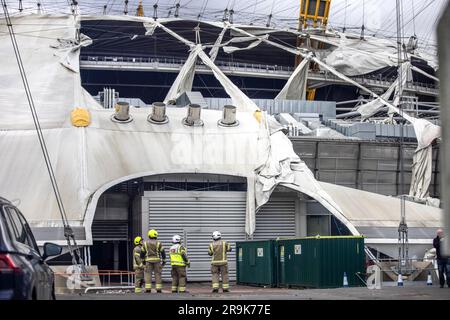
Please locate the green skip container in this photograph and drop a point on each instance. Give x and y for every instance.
(320, 262)
(256, 263)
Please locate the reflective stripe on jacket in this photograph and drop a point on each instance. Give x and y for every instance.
(137, 259)
(218, 250)
(178, 255)
(153, 249)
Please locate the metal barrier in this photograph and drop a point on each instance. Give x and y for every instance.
(279, 71)
(109, 279)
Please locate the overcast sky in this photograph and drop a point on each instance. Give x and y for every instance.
(379, 15)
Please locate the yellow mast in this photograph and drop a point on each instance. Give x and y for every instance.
(140, 9)
(313, 13)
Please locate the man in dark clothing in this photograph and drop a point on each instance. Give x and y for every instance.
(442, 261)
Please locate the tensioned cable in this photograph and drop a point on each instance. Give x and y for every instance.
(345, 16)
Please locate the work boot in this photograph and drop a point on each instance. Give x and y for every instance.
(226, 290)
(174, 291)
(148, 290)
(441, 286)
(159, 291)
(215, 291)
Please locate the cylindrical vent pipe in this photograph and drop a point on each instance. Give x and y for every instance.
(193, 115)
(228, 116)
(122, 112)
(105, 98)
(158, 114)
(113, 98)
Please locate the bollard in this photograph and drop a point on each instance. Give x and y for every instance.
(399, 280)
(345, 280)
(429, 279)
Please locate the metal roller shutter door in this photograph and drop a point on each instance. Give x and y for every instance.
(110, 230)
(276, 219)
(195, 215)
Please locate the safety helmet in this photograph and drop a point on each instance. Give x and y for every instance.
(216, 235)
(137, 240)
(176, 239)
(153, 234)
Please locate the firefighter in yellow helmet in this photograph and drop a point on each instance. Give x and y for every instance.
(178, 261)
(155, 259)
(138, 264)
(218, 249)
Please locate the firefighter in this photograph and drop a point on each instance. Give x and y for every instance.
(219, 264)
(138, 264)
(178, 261)
(155, 259)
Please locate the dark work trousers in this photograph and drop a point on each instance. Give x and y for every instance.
(444, 268)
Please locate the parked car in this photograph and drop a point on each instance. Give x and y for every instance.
(24, 274)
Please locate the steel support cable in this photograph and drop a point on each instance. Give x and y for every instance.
(68, 232)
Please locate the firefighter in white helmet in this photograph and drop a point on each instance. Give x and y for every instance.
(218, 249)
(178, 261)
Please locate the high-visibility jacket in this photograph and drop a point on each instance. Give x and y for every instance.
(178, 255)
(138, 261)
(218, 250)
(154, 251)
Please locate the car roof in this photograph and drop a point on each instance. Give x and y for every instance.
(4, 200)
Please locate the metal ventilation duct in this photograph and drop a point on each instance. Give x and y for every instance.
(193, 116)
(228, 117)
(158, 115)
(122, 113)
(109, 98)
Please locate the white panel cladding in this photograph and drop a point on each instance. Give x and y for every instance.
(276, 219)
(194, 216)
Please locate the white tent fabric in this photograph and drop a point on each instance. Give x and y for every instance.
(352, 56)
(240, 100)
(369, 109)
(426, 133)
(89, 160)
(367, 209)
(185, 79)
(215, 49)
(424, 73)
(295, 87)
(230, 49)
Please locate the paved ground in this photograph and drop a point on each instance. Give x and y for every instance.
(203, 291)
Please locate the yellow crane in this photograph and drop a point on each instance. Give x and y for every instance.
(313, 14)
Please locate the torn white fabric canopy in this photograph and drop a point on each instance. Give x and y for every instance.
(295, 87)
(215, 49)
(230, 49)
(185, 79)
(89, 160)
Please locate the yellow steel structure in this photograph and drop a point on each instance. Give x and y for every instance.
(140, 10)
(314, 13)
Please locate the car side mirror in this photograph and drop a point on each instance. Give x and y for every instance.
(51, 249)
